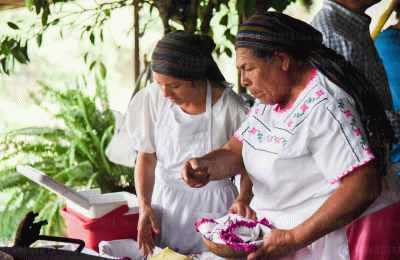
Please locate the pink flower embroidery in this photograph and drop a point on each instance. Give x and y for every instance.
(290, 123)
(357, 131)
(347, 113)
(253, 130)
(304, 107)
(320, 92)
(257, 111)
(369, 151)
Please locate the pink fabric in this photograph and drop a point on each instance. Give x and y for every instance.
(376, 236)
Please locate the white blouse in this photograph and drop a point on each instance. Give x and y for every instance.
(296, 157)
(145, 109)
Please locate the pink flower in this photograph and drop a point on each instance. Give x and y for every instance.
(304, 107)
(357, 131)
(320, 92)
(253, 130)
(348, 113)
(290, 123)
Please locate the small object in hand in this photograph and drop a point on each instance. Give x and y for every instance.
(233, 236)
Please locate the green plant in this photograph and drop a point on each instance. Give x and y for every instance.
(71, 153)
(89, 18)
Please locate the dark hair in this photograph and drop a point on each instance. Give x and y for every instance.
(300, 57)
(397, 9)
(186, 56)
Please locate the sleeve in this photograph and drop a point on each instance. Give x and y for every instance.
(119, 150)
(141, 117)
(337, 140)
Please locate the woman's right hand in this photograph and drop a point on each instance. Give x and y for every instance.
(195, 173)
(243, 209)
(147, 226)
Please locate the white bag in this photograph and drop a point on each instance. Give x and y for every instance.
(118, 150)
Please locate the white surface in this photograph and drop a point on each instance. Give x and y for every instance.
(89, 203)
(45, 181)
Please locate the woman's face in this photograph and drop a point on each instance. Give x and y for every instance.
(176, 90)
(265, 79)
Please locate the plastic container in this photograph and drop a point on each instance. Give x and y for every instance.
(90, 215)
(114, 225)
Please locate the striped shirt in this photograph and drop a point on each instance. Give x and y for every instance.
(348, 34)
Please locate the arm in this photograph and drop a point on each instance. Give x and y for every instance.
(144, 177)
(355, 193)
(241, 204)
(144, 183)
(219, 164)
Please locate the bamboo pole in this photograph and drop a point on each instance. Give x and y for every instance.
(383, 19)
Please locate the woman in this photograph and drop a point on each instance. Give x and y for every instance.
(187, 112)
(303, 144)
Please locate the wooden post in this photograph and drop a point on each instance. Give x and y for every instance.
(241, 89)
(136, 54)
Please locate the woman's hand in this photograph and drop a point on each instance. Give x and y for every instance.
(195, 174)
(243, 209)
(146, 227)
(277, 244)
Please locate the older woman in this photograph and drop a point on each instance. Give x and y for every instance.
(187, 112)
(304, 144)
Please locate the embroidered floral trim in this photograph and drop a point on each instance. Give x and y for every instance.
(306, 105)
(352, 169)
(355, 127)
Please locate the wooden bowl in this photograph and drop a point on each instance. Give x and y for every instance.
(223, 250)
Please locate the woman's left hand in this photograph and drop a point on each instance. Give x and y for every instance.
(277, 244)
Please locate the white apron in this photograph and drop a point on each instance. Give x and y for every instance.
(179, 137)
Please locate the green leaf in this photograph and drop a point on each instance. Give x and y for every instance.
(45, 15)
(4, 66)
(224, 20)
(280, 5)
(38, 6)
(55, 22)
(92, 65)
(230, 37)
(85, 56)
(19, 55)
(101, 35)
(39, 39)
(91, 37)
(13, 25)
(102, 70)
(228, 52)
(107, 12)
